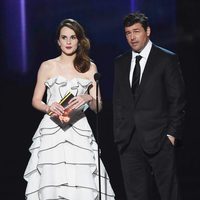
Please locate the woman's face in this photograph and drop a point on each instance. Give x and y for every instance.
(68, 41)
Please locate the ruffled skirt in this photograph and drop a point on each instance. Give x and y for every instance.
(64, 163)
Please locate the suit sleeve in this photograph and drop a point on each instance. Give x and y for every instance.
(116, 98)
(176, 98)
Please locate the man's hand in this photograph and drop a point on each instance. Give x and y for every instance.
(172, 139)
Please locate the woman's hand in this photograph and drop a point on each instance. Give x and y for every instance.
(80, 100)
(56, 109)
(62, 113)
(66, 115)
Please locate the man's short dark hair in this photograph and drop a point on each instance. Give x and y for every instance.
(136, 17)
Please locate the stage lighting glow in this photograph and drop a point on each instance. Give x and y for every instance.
(132, 5)
(23, 35)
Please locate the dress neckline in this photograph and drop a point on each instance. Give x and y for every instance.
(62, 77)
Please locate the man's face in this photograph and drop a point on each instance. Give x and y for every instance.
(137, 37)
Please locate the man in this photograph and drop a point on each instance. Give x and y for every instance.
(148, 100)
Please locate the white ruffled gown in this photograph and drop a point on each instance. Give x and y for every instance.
(64, 161)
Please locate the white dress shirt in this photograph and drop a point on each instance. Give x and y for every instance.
(144, 53)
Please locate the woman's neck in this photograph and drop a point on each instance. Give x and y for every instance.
(67, 58)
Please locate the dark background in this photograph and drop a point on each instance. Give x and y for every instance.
(27, 40)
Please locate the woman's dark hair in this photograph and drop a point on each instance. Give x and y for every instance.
(82, 60)
(136, 17)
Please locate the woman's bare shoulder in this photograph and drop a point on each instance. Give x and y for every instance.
(48, 67)
(49, 64)
(93, 68)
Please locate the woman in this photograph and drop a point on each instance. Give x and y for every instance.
(63, 162)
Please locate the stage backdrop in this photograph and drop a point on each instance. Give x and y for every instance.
(27, 37)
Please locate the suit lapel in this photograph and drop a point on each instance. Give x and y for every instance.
(126, 71)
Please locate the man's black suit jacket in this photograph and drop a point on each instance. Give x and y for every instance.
(158, 108)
